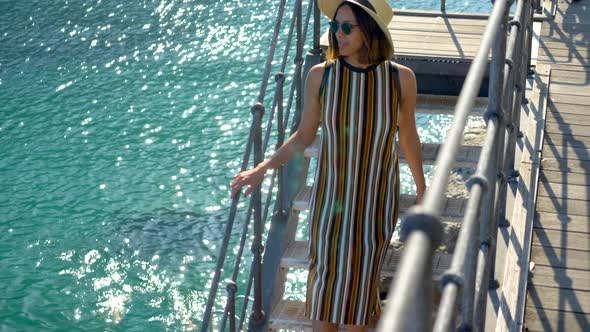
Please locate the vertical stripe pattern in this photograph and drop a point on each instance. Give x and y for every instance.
(354, 201)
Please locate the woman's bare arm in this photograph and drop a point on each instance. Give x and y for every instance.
(296, 143)
(408, 135)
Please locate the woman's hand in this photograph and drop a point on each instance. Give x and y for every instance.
(252, 178)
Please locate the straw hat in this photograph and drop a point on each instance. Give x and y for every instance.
(379, 10)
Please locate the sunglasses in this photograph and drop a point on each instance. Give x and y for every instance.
(346, 27)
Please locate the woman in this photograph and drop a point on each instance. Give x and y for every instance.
(363, 101)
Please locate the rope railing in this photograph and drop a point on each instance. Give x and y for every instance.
(257, 145)
(472, 268)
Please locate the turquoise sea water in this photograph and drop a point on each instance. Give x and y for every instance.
(121, 125)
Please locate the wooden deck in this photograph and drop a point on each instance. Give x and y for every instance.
(437, 36)
(558, 297)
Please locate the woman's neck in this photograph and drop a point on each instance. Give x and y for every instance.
(354, 60)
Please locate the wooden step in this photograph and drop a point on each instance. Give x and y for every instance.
(295, 257)
(290, 315)
(453, 207)
(468, 156)
(442, 104)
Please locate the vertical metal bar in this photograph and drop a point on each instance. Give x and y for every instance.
(529, 45)
(421, 319)
(257, 316)
(453, 280)
(280, 79)
(298, 64)
(496, 106)
(468, 295)
(464, 257)
(239, 255)
(230, 307)
(225, 242)
(481, 285)
(443, 4)
(415, 263)
(273, 46)
(246, 300)
(518, 27)
(316, 28)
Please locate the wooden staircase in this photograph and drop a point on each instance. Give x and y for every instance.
(288, 314)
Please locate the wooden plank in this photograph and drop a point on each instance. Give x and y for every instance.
(560, 278)
(561, 190)
(558, 299)
(289, 315)
(439, 45)
(548, 45)
(566, 108)
(565, 165)
(565, 31)
(561, 222)
(567, 50)
(542, 320)
(564, 177)
(569, 89)
(398, 19)
(562, 61)
(568, 99)
(438, 104)
(511, 312)
(435, 53)
(557, 67)
(559, 239)
(561, 258)
(559, 139)
(566, 152)
(403, 33)
(562, 206)
(438, 21)
(440, 27)
(557, 74)
(571, 12)
(567, 118)
(570, 129)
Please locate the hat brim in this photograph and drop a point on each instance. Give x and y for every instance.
(329, 7)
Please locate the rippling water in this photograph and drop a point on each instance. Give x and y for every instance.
(121, 125)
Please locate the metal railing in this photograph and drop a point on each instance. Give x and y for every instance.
(257, 147)
(472, 269)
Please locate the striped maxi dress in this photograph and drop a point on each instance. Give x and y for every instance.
(355, 197)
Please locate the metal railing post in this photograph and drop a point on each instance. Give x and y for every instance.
(257, 315)
(423, 232)
(483, 263)
(443, 5)
(316, 29)
(514, 59)
(495, 107)
(280, 206)
(230, 307)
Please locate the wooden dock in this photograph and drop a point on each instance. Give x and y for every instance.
(558, 296)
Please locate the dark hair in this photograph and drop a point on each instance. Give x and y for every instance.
(376, 47)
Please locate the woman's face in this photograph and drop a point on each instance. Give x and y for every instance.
(348, 45)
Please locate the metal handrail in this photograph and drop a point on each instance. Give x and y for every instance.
(259, 146)
(472, 267)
